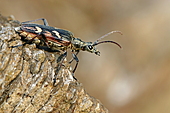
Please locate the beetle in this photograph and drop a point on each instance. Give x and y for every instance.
(55, 39)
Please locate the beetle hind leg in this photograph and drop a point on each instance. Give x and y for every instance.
(26, 42)
(43, 19)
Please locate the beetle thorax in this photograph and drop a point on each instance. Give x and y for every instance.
(77, 44)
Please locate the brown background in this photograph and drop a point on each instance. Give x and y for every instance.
(134, 79)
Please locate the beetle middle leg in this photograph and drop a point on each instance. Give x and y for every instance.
(60, 58)
(63, 56)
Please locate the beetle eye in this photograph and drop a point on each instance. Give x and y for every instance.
(90, 47)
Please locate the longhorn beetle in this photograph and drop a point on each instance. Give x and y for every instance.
(58, 39)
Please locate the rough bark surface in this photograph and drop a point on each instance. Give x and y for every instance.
(27, 76)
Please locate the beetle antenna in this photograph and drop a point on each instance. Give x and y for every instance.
(107, 42)
(107, 35)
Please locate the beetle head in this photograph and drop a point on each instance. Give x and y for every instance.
(90, 47)
(78, 44)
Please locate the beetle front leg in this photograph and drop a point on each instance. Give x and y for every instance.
(77, 61)
(73, 57)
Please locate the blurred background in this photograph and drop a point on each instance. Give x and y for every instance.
(135, 79)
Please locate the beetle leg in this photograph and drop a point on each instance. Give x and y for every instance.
(43, 19)
(44, 39)
(61, 57)
(27, 42)
(73, 58)
(77, 61)
(30, 41)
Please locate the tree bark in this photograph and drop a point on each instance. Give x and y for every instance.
(31, 81)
